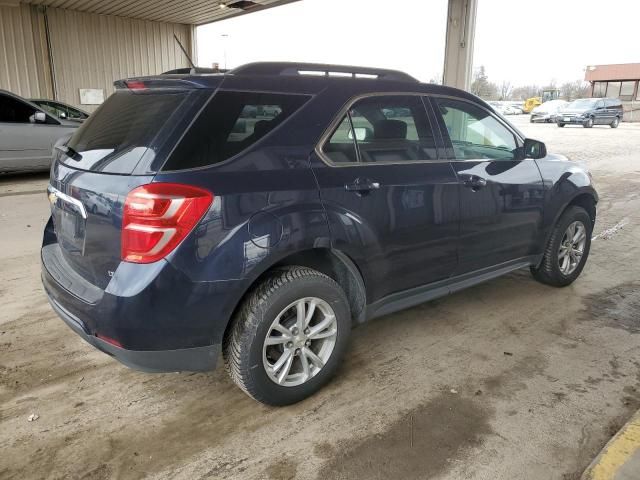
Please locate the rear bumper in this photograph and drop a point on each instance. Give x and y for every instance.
(542, 118)
(150, 317)
(197, 359)
(571, 120)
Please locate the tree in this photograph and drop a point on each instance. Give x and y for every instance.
(480, 81)
(526, 91)
(436, 79)
(481, 86)
(505, 90)
(573, 90)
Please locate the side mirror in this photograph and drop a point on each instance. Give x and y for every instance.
(534, 149)
(362, 133)
(39, 117)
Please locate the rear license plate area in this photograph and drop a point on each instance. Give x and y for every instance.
(69, 221)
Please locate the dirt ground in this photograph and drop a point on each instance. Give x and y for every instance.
(508, 380)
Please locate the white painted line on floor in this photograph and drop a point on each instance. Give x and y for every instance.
(610, 232)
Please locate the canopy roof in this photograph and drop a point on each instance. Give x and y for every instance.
(192, 12)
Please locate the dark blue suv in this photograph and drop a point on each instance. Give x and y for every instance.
(263, 212)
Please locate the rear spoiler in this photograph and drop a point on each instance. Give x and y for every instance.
(164, 82)
(194, 71)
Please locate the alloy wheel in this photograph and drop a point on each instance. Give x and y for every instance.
(572, 248)
(299, 342)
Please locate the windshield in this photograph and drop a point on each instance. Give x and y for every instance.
(551, 106)
(582, 104)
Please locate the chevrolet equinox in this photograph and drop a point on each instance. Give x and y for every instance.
(259, 214)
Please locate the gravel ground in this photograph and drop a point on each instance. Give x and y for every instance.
(509, 379)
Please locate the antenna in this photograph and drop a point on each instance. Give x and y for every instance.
(185, 52)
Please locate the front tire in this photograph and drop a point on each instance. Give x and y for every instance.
(588, 123)
(288, 337)
(561, 125)
(567, 250)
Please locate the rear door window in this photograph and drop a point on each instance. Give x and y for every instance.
(341, 146)
(230, 123)
(385, 129)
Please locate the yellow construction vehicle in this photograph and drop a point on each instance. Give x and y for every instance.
(533, 102)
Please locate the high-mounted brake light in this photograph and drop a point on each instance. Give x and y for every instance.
(157, 217)
(135, 85)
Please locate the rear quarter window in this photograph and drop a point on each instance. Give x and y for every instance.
(230, 123)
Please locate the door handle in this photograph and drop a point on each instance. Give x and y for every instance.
(361, 186)
(474, 182)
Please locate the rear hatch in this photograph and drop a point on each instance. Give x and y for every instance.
(117, 149)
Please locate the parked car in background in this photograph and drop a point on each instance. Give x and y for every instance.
(361, 197)
(505, 108)
(546, 113)
(60, 110)
(28, 134)
(592, 111)
(519, 107)
(510, 110)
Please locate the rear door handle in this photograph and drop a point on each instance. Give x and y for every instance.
(360, 185)
(474, 182)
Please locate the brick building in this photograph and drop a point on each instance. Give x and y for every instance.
(617, 81)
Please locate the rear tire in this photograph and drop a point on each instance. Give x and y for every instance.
(550, 271)
(615, 123)
(270, 312)
(561, 125)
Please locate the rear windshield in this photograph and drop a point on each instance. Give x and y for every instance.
(115, 138)
(230, 123)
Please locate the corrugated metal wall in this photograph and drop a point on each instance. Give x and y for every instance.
(24, 67)
(91, 51)
(87, 51)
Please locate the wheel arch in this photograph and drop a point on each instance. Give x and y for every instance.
(587, 200)
(338, 266)
(333, 263)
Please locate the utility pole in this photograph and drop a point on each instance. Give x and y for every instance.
(224, 47)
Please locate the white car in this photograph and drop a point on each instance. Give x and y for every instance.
(509, 110)
(504, 108)
(547, 112)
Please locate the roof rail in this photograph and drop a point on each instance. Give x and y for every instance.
(320, 69)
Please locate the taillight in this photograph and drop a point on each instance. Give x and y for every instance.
(157, 217)
(135, 85)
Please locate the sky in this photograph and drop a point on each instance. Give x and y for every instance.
(520, 41)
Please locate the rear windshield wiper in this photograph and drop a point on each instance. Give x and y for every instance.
(69, 152)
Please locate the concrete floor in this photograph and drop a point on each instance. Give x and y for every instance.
(510, 379)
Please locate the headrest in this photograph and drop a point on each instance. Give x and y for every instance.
(261, 127)
(390, 130)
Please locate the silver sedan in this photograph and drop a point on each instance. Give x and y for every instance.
(28, 134)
